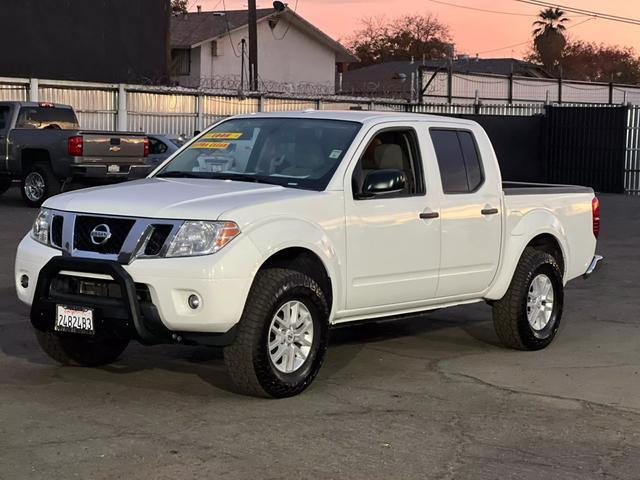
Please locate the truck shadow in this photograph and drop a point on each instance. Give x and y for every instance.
(442, 333)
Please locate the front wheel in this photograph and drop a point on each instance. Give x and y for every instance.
(81, 350)
(282, 335)
(528, 316)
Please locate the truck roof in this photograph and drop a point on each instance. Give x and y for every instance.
(360, 116)
(35, 104)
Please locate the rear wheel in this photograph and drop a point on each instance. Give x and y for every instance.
(81, 350)
(38, 184)
(528, 316)
(282, 336)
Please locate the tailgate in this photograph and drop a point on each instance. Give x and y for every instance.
(113, 146)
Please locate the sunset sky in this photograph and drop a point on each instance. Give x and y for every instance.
(490, 34)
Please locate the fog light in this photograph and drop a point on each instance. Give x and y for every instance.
(24, 281)
(194, 301)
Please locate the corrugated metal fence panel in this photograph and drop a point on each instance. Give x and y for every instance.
(286, 105)
(162, 113)
(632, 160)
(535, 90)
(390, 107)
(218, 107)
(96, 109)
(13, 93)
(324, 105)
(466, 86)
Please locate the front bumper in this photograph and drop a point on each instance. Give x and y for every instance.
(168, 283)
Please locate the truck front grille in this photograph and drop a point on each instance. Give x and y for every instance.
(117, 229)
(157, 239)
(56, 230)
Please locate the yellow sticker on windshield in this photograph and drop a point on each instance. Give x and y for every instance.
(216, 145)
(223, 135)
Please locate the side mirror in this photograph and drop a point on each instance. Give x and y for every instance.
(384, 181)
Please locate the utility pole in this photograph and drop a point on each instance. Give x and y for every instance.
(253, 46)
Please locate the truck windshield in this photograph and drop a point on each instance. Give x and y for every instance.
(47, 117)
(292, 152)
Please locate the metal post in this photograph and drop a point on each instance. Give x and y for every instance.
(510, 99)
(200, 126)
(242, 49)
(339, 82)
(319, 104)
(413, 86)
(560, 90)
(122, 121)
(33, 90)
(449, 85)
(253, 46)
(477, 103)
(261, 103)
(610, 93)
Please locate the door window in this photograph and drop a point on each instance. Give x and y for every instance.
(396, 150)
(156, 147)
(4, 118)
(458, 160)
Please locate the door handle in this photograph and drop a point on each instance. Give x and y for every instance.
(429, 215)
(489, 211)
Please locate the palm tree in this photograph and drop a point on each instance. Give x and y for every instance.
(548, 37)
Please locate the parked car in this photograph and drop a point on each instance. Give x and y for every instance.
(314, 219)
(161, 147)
(44, 147)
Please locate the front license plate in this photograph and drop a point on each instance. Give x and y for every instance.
(74, 320)
(114, 168)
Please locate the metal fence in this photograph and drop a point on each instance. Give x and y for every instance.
(175, 110)
(446, 86)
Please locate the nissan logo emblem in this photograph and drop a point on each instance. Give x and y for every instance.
(100, 234)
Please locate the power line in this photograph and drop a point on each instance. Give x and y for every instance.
(465, 7)
(224, 6)
(591, 13)
(528, 41)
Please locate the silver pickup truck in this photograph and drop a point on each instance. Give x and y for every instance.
(42, 145)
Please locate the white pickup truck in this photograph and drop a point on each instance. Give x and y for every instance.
(267, 229)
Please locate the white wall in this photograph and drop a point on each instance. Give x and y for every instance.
(295, 59)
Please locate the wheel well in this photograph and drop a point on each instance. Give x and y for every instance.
(30, 156)
(304, 261)
(549, 244)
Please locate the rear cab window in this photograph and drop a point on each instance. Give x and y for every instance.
(47, 117)
(458, 160)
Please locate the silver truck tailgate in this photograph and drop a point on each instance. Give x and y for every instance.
(113, 147)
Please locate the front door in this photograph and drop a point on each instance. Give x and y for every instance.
(393, 240)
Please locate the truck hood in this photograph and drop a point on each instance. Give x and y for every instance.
(184, 199)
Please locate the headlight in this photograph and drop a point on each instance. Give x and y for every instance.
(202, 238)
(42, 227)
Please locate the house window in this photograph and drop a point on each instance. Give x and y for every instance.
(180, 61)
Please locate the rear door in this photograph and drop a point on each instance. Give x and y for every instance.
(470, 216)
(393, 240)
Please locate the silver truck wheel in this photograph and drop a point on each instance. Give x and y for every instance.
(34, 186)
(282, 336)
(290, 336)
(38, 184)
(528, 316)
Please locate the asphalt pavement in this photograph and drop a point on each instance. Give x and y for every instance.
(430, 397)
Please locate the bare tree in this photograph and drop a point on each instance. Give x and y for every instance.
(402, 38)
(179, 6)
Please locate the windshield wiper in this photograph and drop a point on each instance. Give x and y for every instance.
(179, 175)
(242, 177)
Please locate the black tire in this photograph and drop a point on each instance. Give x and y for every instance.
(5, 184)
(247, 358)
(510, 312)
(50, 184)
(81, 350)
